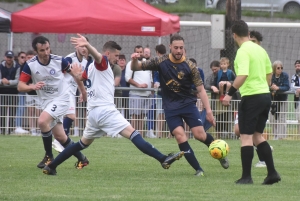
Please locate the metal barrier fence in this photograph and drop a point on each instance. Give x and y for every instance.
(22, 111)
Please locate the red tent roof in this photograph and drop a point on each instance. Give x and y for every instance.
(115, 17)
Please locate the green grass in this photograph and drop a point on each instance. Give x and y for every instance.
(118, 171)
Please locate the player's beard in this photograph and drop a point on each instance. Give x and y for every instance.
(177, 56)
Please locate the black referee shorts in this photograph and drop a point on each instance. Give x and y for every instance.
(253, 113)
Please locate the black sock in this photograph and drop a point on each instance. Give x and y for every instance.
(47, 140)
(67, 125)
(246, 157)
(146, 147)
(189, 155)
(209, 139)
(259, 154)
(67, 153)
(266, 151)
(78, 154)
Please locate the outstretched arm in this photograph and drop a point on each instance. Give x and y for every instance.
(135, 64)
(81, 41)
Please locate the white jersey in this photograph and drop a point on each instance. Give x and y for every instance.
(52, 75)
(72, 58)
(100, 85)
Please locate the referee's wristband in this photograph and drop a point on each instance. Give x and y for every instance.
(231, 91)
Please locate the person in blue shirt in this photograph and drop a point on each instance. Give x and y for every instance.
(177, 75)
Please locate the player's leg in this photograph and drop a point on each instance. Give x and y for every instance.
(175, 123)
(262, 144)
(70, 115)
(115, 123)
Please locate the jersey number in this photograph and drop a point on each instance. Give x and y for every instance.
(53, 108)
(88, 83)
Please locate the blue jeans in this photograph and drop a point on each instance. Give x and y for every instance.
(20, 109)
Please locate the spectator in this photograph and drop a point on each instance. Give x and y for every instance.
(32, 102)
(9, 75)
(125, 93)
(139, 100)
(295, 86)
(225, 77)
(147, 53)
(279, 83)
(21, 99)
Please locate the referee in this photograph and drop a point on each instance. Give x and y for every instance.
(254, 71)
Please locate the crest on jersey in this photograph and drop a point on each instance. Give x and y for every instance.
(180, 75)
(52, 71)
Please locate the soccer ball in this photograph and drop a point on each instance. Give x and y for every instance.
(218, 149)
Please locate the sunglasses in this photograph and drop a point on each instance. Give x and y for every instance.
(279, 68)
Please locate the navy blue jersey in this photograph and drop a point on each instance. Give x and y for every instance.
(176, 80)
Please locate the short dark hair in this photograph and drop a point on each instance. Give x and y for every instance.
(176, 37)
(30, 52)
(161, 49)
(240, 28)
(193, 60)
(215, 63)
(111, 46)
(122, 56)
(256, 35)
(39, 39)
(138, 47)
(21, 53)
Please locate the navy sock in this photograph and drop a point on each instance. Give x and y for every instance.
(266, 151)
(67, 153)
(78, 154)
(67, 125)
(47, 140)
(146, 147)
(209, 139)
(189, 155)
(246, 157)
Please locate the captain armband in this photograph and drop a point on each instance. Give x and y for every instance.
(231, 91)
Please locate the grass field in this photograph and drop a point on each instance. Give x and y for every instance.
(118, 171)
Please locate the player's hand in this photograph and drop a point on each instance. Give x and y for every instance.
(226, 100)
(76, 70)
(79, 41)
(83, 97)
(135, 56)
(210, 118)
(37, 86)
(215, 89)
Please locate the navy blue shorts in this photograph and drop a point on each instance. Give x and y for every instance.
(190, 114)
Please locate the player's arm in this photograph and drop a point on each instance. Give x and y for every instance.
(269, 79)
(81, 41)
(151, 64)
(76, 71)
(24, 78)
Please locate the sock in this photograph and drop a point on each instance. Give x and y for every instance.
(146, 147)
(67, 153)
(67, 125)
(209, 139)
(259, 154)
(189, 155)
(246, 156)
(47, 140)
(78, 154)
(266, 152)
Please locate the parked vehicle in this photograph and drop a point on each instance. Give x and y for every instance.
(285, 6)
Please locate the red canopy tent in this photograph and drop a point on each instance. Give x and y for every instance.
(114, 17)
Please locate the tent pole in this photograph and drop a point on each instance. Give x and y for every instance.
(10, 41)
(159, 40)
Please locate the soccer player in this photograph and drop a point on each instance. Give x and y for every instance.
(76, 57)
(177, 75)
(254, 71)
(103, 117)
(47, 73)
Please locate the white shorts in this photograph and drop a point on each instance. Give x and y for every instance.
(138, 104)
(236, 121)
(57, 109)
(104, 120)
(33, 101)
(72, 106)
